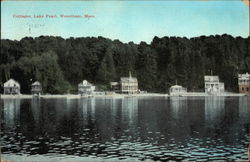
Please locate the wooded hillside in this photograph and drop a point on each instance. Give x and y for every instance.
(60, 64)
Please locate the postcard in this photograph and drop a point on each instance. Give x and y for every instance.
(126, 81)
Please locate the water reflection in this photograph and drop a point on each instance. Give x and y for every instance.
(11, 111)
(214, 110)
(244, 110)
(130, 111)
(178, 107)
(157, 128)
(35, 107)
(244, 114)
(83, 107)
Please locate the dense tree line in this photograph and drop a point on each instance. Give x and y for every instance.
(60, 64)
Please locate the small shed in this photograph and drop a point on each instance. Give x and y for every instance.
(36, 88)
(11, 87)
(114, 86)
(177, 90)
(85, 88)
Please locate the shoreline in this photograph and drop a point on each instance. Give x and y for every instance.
(75, 96)
(28, 96)
(203, 94)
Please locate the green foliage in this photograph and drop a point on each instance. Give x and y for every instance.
(49, 73)
(146, 66)
(44, 68)
(60, 64)
(106, 72)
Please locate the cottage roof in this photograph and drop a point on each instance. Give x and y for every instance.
(244, 76)
(85, 83)
(114, 83)
(36, 83)
(211, 78)
(176, 86)
(127, 79)
(11, 83)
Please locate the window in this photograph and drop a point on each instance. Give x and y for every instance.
(242, 88)
(247, 89)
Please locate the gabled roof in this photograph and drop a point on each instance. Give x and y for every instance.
(211, 78)
(176, 86)
(85, 83)
(114, 83)
(244, 76)
(127, 79)
(11, 83)
(36, 83)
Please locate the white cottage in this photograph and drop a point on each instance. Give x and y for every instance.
(177, 90)
(11, 87)
(36, 88)
(129, 84)
(85, 88)
(213, 85)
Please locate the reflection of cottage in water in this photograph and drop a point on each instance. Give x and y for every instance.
(177, 90)
(244, 108)
(36, 88)
(214, 109)
(130, 108)
(85, 88)
(178, 106)
(11, 112)
(11, 87)
(244, 83)
(213, 85)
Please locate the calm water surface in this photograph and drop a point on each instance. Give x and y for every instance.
(157, 128)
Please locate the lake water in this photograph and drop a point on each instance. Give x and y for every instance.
(139, 128)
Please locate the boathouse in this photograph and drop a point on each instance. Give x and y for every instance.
(244, 83)
(85, 88)
(177, 90)
(213, 85)
(11, 87)
(36, 88)
(115, 86)
(129, 84)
